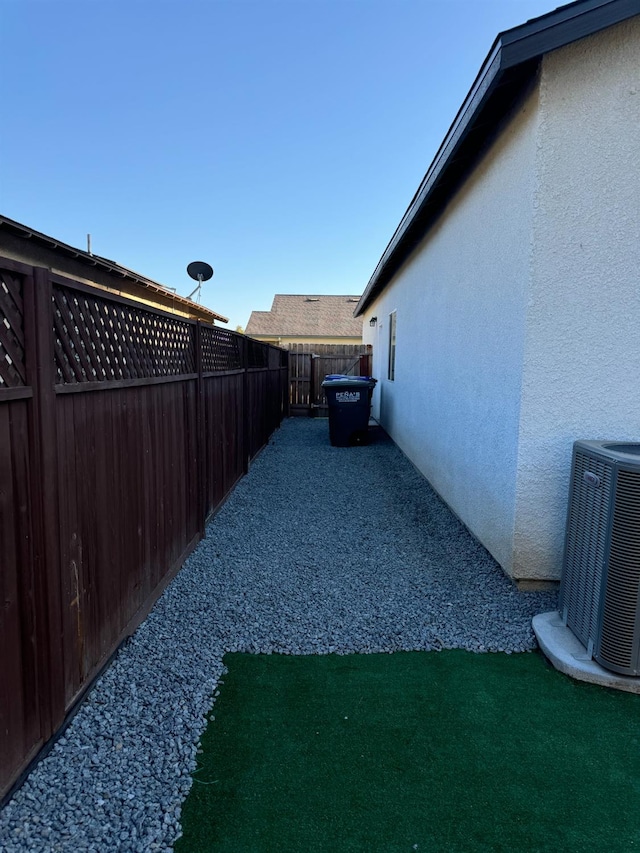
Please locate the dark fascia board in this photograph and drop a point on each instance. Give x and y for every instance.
(509, 67)
(106, 265)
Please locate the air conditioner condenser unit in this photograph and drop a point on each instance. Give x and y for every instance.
(600, 587)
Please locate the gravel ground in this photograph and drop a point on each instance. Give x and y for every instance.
(318, 550)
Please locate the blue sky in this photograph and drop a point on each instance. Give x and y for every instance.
(280, 140)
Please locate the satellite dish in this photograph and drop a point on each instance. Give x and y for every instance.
(200, 271)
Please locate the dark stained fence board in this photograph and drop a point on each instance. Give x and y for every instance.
(70, 556)
(224, 412)
(28, 626)
(122, 429)
(300, 382)
(129, 504)
(44, 497)
(20, 723)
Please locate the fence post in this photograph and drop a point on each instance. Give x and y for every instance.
(201, 448)
(246, 449)
(44, 485)
(289, 392)
(285, 383)
(312, 386)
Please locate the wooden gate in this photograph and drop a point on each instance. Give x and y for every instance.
(308, 366)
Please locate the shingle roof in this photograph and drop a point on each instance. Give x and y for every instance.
(313, 316)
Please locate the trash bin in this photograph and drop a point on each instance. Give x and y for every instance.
(349, 401)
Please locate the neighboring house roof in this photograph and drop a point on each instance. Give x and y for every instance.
(510, 67)
(32, 247)
(304, 316)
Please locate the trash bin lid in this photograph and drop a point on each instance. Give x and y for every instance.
(330, 377)
(336, 381)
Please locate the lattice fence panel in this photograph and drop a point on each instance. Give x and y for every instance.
(99, 340)
(12, 353)
(277, 358)
(220, 350)
(257, 353)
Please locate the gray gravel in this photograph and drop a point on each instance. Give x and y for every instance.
(318, 550)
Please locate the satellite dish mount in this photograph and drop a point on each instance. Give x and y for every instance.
(199, 271)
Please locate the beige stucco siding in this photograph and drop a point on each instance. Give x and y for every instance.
(582, 349)
(285, 340)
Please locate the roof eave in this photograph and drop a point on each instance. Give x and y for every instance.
(108, 266)
(510, 65)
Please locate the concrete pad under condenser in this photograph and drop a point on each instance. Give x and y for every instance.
(568, 655)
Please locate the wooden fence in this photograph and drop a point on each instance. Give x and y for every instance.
(310, 363)
(122, 428)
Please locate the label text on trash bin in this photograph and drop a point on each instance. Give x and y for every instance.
(347, 396)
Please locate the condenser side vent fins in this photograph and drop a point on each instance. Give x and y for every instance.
(620, 617)
(600, 589)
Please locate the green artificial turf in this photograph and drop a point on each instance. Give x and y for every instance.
(414, 751)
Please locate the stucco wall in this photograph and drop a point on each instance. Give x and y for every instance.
(582, 351)
(519, 314)
(454, 407)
